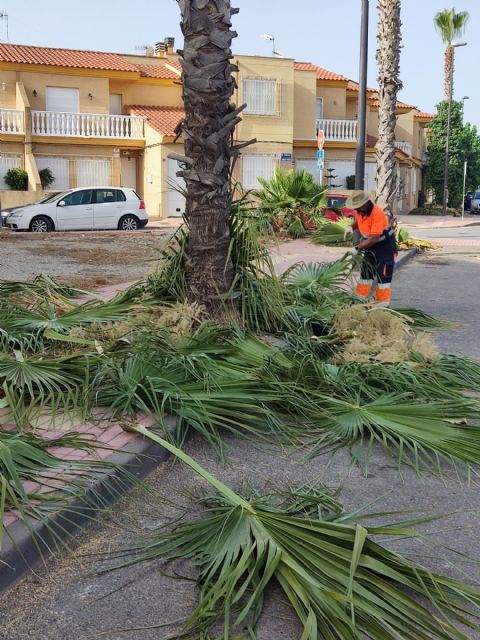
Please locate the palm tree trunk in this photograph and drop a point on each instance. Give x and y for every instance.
(210, 118)
(388, 58)
(449, 63)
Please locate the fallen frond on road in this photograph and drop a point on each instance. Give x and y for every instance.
(340, 582)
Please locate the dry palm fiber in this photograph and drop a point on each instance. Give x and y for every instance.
(376, 334)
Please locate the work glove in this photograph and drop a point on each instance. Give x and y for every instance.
(354, 251)
(348, 232)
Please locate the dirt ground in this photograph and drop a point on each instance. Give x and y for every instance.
(81, 259)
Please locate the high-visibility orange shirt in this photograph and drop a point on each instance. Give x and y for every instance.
(374, 224)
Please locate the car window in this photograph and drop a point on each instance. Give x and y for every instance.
(336, 202)
(78, 197)
(477, 195)
(54, 196)
(103, 196)
(120, 196)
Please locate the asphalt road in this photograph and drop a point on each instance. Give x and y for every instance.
(67, 601)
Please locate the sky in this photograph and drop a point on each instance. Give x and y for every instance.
(325, 32)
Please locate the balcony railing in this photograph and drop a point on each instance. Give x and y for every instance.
(406, 147)
(11, 121)
(87, 125)
(338, 130)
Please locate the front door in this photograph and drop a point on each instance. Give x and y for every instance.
(109, 205)
(129, 172)
(176, 190)
(77, 213)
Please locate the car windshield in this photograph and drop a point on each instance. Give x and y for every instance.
(53, 196)
(336, 201)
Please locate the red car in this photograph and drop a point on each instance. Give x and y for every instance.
(335, 210)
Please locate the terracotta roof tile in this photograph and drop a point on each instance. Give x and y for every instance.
(354, 86)
(156, 71)
(322, 74)
(400, 105)
(162, 119)
(425, 116)
(73, 58)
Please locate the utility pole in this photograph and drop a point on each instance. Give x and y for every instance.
(362, 100)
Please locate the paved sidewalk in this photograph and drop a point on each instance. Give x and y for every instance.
(436, 222)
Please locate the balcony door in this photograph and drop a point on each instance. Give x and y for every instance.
(319, 109)
(63, 100)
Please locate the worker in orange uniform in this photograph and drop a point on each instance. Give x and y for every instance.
(377, 245)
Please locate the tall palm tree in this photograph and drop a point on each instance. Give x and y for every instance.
(451, 26)
(210, 118)
(388, 58)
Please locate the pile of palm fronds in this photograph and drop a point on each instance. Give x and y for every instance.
(406, 241)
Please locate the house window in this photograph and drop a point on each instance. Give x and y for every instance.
(62, 100)
(257, 166)
(115, 104)
(261, 97)
(319, 111)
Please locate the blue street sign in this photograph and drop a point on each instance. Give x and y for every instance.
(320, 155)
(286, 157)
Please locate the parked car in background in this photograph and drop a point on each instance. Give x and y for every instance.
(82, 209)
(475, 205)
(467, 201)
(336, 207)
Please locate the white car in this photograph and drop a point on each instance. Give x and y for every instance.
(82, 209)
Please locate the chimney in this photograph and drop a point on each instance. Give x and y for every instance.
(150, 52)
(160, 49)
(169, 44)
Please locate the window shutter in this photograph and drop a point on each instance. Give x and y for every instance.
(261, 96)
(63, 100)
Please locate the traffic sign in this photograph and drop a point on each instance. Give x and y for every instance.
(320, 155)
(320, 164)
(321, 138)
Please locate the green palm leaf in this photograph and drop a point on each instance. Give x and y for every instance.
(340, 583)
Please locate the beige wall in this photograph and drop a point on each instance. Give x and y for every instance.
(334, 102)
(153, 189)
(8, 97)
(98, 87)
(372, 122)
(148, 94)
(267, 128)
(351, 109)
(305, 86)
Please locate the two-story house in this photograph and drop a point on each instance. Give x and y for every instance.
(111, 119)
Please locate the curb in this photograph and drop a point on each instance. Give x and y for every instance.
(406, 256)
(26, 547)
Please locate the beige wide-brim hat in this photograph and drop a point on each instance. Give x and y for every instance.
(358, 199)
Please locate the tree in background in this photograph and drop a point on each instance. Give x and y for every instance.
(451, 26)
(389, 83)
(464, 147)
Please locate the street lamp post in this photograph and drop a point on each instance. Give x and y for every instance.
(362, 100)
(447, 146)
(463, 105)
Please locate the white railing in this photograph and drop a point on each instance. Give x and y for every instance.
(406, 147)
(11, 121)
(338, 130)
(87, 125)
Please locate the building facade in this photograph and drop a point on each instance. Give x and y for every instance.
(111, 119)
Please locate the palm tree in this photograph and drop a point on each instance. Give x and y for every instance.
(210, 118)
(388, 58)
(450, 25)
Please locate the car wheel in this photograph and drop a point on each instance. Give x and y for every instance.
(41, 224)
(128, 223)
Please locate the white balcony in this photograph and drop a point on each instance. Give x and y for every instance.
(11, 121)
(405, 147)
(87, 125)
(338, 130)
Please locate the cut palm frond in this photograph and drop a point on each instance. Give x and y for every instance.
(340, 583)
(421, 320)
(19, 320)
(34, 482)
(332, 234)
(315, 274)
(415, 432)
